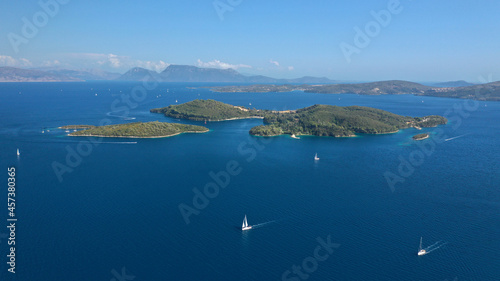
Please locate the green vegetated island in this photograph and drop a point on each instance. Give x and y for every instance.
(421, 136)
(316, 120)
(489, 91)
(210, 110)
(135, 130)
(76, 127)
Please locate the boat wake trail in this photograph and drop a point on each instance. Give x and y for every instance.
(102, 142)
(110, 114)
(435, 246)
(119, 142)
(455, 137)
(262, 224)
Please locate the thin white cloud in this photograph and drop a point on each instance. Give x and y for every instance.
(51, 63)
(110, 60)
(10, 61)
(221, 65)
(157, 66)
(291, 68)
(114, 61)
(93, 59)
(274, 62)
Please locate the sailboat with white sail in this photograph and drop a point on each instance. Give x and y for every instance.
(245, 225)
(316, 158)
(18, 153)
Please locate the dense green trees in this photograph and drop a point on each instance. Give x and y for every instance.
(266, 131)
(431, 121)
(317, 120)
(209, 110)
(489, 91)
(140, 130)
(327, 120)
(421, 136)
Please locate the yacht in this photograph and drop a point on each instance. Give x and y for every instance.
(245, 225)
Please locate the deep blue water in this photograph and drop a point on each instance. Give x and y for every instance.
(118, 206)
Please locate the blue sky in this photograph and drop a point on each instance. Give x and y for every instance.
(423, 40)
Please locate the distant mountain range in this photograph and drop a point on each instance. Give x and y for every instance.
(85, 74)
(12, 74)
(187, 73)
(460, 83)
(173, 73)
(490, 91)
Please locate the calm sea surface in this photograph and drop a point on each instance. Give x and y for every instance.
(113, 212)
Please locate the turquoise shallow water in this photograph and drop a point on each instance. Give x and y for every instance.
(118, 208)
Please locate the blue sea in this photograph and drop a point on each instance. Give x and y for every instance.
(110, 209)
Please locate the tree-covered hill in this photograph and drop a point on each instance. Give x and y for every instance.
(488, 92)
(140, 130)
(318, 120)
(328, 120)
(208, 110)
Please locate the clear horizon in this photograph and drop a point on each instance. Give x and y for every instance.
(350, 41)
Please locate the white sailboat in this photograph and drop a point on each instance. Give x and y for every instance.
(316, 158)
(18, 153)
(245, 225)
(421, 251)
